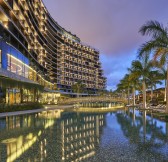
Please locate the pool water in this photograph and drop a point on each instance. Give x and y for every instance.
(123, 135)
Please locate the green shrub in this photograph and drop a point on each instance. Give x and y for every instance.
(166, 117)
(19, 107)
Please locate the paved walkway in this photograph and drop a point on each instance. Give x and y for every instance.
(46, 108)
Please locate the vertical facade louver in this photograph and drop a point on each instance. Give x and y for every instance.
(46, 52)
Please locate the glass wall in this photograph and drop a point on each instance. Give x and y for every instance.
(18, 67)
(14, 61)
(6, 50)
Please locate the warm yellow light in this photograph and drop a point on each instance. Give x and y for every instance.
(22, 149)
(29, 68)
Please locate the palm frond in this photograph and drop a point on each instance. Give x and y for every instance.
(163, 58)
(153, 28)
(157, 53)
(136, 65)
(151, 46)
(145, 48)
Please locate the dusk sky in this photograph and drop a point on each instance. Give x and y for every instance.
(111, 26)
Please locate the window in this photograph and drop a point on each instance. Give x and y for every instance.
(17, 66)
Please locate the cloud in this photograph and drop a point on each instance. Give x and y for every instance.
(109, 25)
(116, 67)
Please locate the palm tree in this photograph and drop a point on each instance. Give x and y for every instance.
(158, 45)
(141, 69)
(154, 78)
(120, 90)
(134, 82)
(125, 86)
(78, 87)
(163, 72)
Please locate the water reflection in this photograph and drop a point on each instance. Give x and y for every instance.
(124, 135)
(150, 135)
(80, 133)
(19, 134)
(101, 104)
(52, 136)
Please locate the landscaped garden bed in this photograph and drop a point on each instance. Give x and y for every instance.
(20, 107)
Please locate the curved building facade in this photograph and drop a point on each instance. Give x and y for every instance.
(34, 46)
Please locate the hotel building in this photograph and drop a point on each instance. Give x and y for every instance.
(35, 49)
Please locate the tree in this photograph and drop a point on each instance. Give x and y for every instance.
(142, 69)
(124, 86)
(134, 82)
(120, 90)
(163, 72)
(154, 78)
(110, 92)
(78, 87)
(158, 45)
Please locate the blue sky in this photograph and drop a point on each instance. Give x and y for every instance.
(111, 26)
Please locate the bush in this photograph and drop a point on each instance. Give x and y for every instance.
(19, 107)
(166, 117)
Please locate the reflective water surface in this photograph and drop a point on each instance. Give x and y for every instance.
(123, 135)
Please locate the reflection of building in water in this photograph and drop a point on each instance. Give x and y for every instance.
(20, 135)
(50, 136)
(80, 135)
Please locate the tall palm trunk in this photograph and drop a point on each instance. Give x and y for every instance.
(133, 96)
(128, 96)
(167, 92)
(144, 94)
